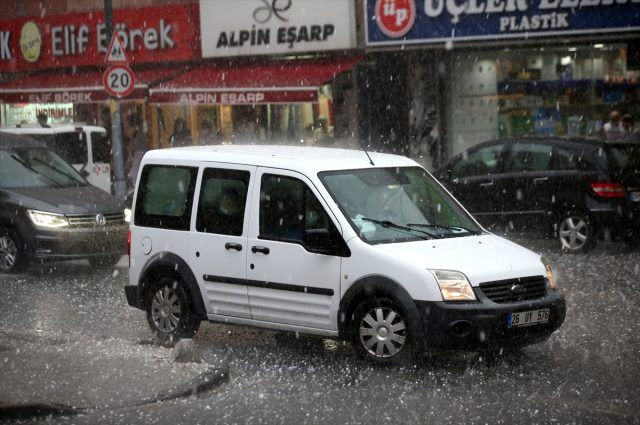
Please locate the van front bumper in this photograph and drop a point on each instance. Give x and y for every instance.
(483, 324)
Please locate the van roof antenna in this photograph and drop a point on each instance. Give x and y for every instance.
(370, 160)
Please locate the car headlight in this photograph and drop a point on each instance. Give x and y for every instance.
(454, 286)
(46, 219)
(127, 215)
(550, 276)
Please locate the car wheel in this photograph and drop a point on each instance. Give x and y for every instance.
(12, 256)
(104, 262)
(380, 333)
(169, 311)
(575, 233)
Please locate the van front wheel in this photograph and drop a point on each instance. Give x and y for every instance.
(169, 312)
(380, 332)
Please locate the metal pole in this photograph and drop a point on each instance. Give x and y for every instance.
(120, 182)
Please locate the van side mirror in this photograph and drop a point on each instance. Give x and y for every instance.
(84, 173)
(323, 241)
(317, 241)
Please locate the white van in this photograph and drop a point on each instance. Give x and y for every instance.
(327, 242)
(86, 147)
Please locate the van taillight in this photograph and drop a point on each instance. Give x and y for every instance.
(609, 190)
(129, 247)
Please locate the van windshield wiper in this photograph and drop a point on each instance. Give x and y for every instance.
(28, 167)
(440, 226)
(391, 224)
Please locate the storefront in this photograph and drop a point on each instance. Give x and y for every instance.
(223, 71)
(511, 68)
(53, 64)
(264, 78)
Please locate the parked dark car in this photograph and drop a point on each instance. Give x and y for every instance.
(48, 211)
(578, 190)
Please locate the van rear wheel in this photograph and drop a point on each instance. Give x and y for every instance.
(169, 311)
(379, 332)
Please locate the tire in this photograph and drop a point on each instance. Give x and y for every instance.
(170, 312)
(575, 233)
(12, 253)
(380, 332)
(104, 262)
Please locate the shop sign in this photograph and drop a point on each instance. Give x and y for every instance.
(254, 27)
(250, 97)
(153, 34)
(392, 21)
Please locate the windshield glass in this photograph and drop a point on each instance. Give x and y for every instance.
(386, 205)
(36, 168)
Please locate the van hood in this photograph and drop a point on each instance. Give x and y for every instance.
(67, 200)
(482, 258)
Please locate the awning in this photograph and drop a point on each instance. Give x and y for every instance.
(274, 82)
(81, 87)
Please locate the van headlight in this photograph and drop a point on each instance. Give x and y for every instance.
(46, 219)
(550, 276)
(127, 215)
(454, 286)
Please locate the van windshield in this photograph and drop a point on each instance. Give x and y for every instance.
(21, 168)
(386, 205)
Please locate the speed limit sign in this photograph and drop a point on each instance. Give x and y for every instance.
(118, 80)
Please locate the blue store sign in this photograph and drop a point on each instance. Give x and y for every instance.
(431, 21)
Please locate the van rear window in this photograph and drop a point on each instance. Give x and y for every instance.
(165, 197)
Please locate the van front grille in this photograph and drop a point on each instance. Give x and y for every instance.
(88, 220)
(514, 290)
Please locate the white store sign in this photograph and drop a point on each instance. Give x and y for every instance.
(259, 27)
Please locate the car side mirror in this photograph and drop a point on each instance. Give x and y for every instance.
(84, 173)
(318, 241)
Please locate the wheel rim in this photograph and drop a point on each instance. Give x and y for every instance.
(165, 309)
(383, 332)
(573, 233)
(8, 253)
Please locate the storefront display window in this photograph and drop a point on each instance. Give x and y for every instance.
(552, 91)
(310, 123)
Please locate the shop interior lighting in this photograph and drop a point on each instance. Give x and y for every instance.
(566, 60)
(598, 45)
(573, 49)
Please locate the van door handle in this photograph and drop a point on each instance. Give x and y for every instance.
(487, 184)
(262, 249)
(230, 245)
(540, 179)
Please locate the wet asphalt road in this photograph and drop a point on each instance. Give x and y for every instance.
(588, 372)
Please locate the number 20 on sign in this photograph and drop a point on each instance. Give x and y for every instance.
(118, 80)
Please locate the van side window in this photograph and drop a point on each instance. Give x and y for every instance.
(288, 209)
(165, 196)
(71, 146)
(223, 197)
(100, 147)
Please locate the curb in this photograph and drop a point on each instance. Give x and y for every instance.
(206, 381)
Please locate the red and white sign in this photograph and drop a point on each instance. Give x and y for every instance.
(119, 80)
(395, 18)
(148, 35)
(115, 53)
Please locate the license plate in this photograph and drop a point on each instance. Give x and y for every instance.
(527, 318)
(634, 196)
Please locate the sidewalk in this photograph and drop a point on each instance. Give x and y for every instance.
(43, 376)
